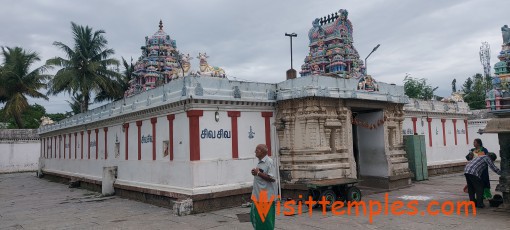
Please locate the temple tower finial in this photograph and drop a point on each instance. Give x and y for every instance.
(160, 24)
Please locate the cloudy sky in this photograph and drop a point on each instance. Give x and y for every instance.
(437, 40)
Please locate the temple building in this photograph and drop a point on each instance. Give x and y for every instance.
(190, 140)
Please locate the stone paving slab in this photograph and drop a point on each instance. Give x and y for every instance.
(27, 202)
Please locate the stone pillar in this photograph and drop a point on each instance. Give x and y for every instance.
(501, 126)
(414, 119)
(455, 130)
(504, 179)
(108, 180)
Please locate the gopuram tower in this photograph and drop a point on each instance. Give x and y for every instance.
(335, 122)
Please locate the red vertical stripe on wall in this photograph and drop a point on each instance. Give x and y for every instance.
(139, 125)
(154, 120)
(126, 137)
(105, 143)
(194, 133)
(455, 130)
(429, 120)
(64, 146)
(97, 143)
(75, 145)
(43, 152)
(88, 145)
(467, 135)
(235, 135)
(81, 146)
(171, 119)
(69, 146)
(414, 119)
(54, 147)
(267, 116)
(60, 147)
(444, 131)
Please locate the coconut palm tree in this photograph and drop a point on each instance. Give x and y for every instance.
(87, 67)
(75, 103)
(122, 80)
(18, 81)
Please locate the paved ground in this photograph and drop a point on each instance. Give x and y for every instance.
(27, 202)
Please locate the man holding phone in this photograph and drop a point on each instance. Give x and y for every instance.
(263, 182)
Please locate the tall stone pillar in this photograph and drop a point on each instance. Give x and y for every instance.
(501, 126)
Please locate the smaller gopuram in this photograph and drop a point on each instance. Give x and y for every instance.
(158, 63)
(335, 121)
(161, 62)
(331, 48)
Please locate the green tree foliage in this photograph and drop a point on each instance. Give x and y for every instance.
(418, 88)
(56, 117)
(474, 91)
(32, 117)
(18, 81)
(75, 103)
(122, 80)
(87, 68)
(467, 86)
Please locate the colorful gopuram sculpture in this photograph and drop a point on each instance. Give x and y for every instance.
(499, 97)
(157, 64)
(161, 62)
(331, 48)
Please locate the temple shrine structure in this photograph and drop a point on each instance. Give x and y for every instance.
(188, 142)
(498, 104)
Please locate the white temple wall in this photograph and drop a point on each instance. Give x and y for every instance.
(439, 153)
(19, 156)
(181, 137)
(162, 172)
(443, 149)
(215, 147)
(216, 169)
(451, 153)
(254, 121)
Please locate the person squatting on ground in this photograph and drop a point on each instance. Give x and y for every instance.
(262, 214)
(477, 151)
(473, 171)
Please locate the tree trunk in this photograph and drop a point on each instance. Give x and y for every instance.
(19, 121)
(85, 102)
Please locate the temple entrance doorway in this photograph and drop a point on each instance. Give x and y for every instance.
(368, 144)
